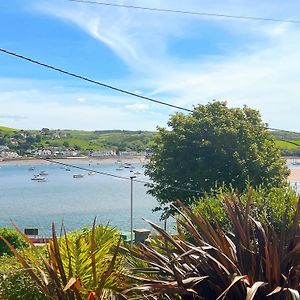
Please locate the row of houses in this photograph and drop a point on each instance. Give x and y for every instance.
(6, 153)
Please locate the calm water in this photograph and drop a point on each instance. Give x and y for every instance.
(75, 200)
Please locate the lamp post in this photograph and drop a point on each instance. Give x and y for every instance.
(131, 209)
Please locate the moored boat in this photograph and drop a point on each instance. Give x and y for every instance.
(43, 173)
(38, 178)
(77, 175)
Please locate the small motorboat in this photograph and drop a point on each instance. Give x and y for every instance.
(78, 176)
(68, 169)
(91, 173)
(31, 169)
(137, 173)
(43, 173)
(38, 178)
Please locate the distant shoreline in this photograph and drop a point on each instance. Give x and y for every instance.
(74, 160)
(294, 175)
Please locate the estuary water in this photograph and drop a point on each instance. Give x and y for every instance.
(76, 201)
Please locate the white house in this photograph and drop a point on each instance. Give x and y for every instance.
(102, 153)
(9, 155)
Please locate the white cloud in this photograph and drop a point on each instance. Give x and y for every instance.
(138, 106)
(261, 71)
(47, 109)
(81, 99)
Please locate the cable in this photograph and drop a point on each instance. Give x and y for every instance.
(112, 87)
(186, 12)
(86, 169)
(121, 177)
(93, 81)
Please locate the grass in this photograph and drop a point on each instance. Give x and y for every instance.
(83, 144)
(8, 129)
(122, 139)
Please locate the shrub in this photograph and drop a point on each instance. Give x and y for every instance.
(83, 265)
(15, 283)
(13, 237)
(271, 205)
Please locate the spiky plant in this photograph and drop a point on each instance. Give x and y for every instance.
(84, 265)
(251, 262)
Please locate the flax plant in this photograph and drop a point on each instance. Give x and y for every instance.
(83, 265)
(250, 262)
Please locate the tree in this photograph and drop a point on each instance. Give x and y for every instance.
(213, 146)
(66, 144)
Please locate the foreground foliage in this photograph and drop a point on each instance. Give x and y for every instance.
(84, 265)
(13, 237)
(251, 262)
(15, 283)
(270, 205)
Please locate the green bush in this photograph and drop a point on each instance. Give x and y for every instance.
(13, 237)
(267, 205)
(15, 283)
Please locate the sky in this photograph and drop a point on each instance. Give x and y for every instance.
(177, 58)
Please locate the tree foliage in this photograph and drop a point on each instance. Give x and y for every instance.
(212, 146)
(13, 237)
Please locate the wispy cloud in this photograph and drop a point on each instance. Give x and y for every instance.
(58, 109)
(262, 71)
(81, 99)
(12, 117)
(138, 106)
(244, 62)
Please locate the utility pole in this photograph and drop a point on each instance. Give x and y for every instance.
(131, 209)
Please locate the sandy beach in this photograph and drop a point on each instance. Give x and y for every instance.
(295, 175)
(74, 160)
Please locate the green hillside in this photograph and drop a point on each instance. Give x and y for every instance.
(118, 140)
(293, 144)
(8, 129)
(100, 140)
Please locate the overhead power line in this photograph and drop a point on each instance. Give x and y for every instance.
(110, 86)
(93, 81)
(187, 12)
(121, 177)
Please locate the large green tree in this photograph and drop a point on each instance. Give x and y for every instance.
(212, 146)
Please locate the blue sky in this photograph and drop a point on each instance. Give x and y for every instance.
(181, 59)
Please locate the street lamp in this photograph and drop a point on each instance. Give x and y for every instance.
(131, 209)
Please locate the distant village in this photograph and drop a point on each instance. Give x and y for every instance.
(26, 144)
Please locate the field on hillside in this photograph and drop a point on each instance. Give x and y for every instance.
(7, 129)
(293, 144)
(121, 140)
(118, 140)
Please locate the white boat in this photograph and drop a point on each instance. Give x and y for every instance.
(38, 178)
(120, 169)
(77, 175)
(31, 169)
(43, 173)
(137, 173)
(91, 173)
